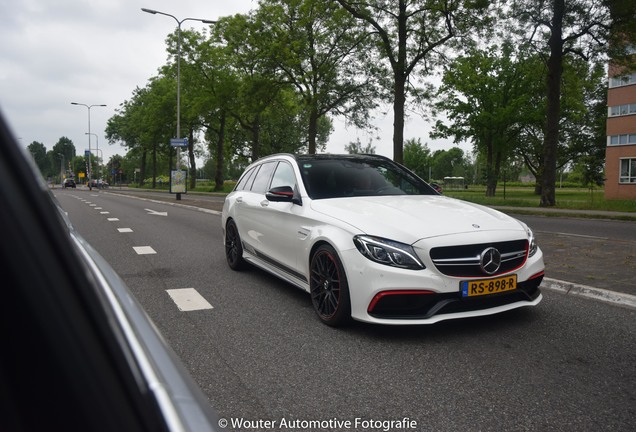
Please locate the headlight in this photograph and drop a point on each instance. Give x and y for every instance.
(388, 252)
(532, 244)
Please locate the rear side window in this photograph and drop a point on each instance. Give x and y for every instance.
(261, 182)
(246, 180)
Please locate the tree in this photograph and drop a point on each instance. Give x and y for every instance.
(192, 81)
(60, 156)
(449, 163)
(581, 122)
(411, 34)
(114, 166)
(483, 94)
(257, 88)
(590, 128)
(580, 28)
(355, 147)
(319, 48)
(214, 88)
(145, 124)
(38, 152)
(417, 158)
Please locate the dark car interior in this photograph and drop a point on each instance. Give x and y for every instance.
(62, 365)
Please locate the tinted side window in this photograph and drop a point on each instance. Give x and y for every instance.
(261, 182)
(244, 180)
(284, 176)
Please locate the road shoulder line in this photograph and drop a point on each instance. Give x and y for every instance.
(201, 209)
(603, 295)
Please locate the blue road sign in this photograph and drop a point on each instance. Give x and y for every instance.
(178, 142)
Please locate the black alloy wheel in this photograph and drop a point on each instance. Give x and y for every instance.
(233, 247)
(329, 288)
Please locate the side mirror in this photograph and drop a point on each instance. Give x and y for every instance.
(282, 194)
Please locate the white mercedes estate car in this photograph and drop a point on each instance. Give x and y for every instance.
(370, 240)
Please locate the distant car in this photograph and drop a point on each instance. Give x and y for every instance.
(98, 183)
(79, 352)
(69, 182)
(370, 240)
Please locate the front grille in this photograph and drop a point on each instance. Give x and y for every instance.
(463, 261)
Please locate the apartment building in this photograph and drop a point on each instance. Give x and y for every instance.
(620, 154)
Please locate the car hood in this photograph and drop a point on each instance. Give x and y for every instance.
(409, 218)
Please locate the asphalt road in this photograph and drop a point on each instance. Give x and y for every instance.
(582, 255)
(262, 356)
(588, 252)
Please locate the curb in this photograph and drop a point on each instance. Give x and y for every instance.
(569, 288)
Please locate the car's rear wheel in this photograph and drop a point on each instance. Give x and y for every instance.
(329, 288)
(233, 247)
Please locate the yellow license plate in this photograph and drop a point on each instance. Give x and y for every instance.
(481, 287)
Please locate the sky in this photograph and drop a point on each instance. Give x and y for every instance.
(96, 52)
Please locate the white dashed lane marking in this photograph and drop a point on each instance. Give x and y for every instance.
(188, 299)
(144, 250)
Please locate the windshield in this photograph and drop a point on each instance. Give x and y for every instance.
(350, 177)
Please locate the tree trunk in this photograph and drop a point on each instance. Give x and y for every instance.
(538, 181)
(491, 178)
(400, 76)
(313, 130)
(142, 171)
(193, 162)
(398, 117)
(218, 177)
(551, 140)
(154, 165)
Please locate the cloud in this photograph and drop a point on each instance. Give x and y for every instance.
(90, 52)
(98, 52)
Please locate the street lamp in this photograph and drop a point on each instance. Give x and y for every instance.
(97, 147)
(179, 22)
(89, 137)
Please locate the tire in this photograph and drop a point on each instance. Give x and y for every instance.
(233, 247)
(329, 288)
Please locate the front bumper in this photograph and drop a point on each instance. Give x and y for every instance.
(388, 295)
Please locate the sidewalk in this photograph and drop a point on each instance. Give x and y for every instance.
(588, 214)
(591, 266)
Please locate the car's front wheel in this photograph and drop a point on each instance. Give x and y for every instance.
(233, 247)
(329, 288)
